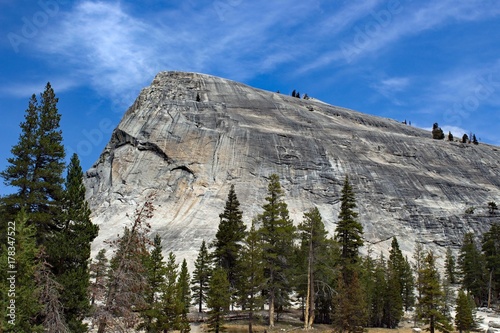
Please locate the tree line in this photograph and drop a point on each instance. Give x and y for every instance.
(272, 264)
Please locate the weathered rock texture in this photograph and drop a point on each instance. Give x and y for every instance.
(188, 152)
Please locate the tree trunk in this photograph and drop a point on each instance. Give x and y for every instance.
(309, 313)
(489, 289)
(271, 308)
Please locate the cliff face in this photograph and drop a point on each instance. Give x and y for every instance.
(189, 136)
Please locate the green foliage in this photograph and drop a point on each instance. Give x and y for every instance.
(277, 233)
(99, 277)
(349, 231)
(252, 275)
(69, 249)
(464, 312)
(36, 167)
(155, 276)
(170, 304)
(472, 269)
(432, 304)
(313, 259)
(201, 276)
(450, 267)
(491, 251)
(350, 312)
(183, 298)
(437, 132)
(228, 239)
(27, 303)
(465, 138)
(492, 207)
(218, 300)
(470, 210)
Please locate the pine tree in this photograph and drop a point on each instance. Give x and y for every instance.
(218, 299)
(99, 277)
(472, 268)
(491, 250)
(313, 244)
(21, 244)
(450, 267)
(277, 233)
(183, 297)
(349, 231)
(155, 275)
(69, 248)
(464, 313)
(228, 239)
(201, 276)
(170, 306)
(350, 313)
(393, 306)
(432, 301)
(37, 165)
(127, 286)
(252, 279)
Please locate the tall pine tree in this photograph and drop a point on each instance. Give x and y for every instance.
(37, 164)
(350, 313)
(314, 245)
(277, 233)
(201, 276)
(252, 279)
(228, 239)
(69, 248)
(218, 299)
(432, 304)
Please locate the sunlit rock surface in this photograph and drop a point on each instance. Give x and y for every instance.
(189, 136)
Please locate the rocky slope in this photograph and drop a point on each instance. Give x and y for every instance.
(189, 136)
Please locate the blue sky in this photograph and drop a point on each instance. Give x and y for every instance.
(423, 61)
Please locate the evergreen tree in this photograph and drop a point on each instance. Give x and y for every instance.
(277, 233)
(349, 231)
(376, 294)
(465, 138)
(431, 302)
(474, 139)
(350, 313)
(418, 258)
(218, 299)
(252, 279)
(491, 250)
(21, 245)
(313, 244)
(99, 277)
(69, 248)
(464, 314)
(183, 297)
(228, 239)
(450, 136)
(408, 281)
(437, 132)
(201, 276)
(450, 267)
(37, 165)
(393, 308)
(155, 275)
(472, 268)
(170, 303)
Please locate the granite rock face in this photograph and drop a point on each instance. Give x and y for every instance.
(189, 136)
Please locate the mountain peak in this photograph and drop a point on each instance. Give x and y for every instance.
(189, 136)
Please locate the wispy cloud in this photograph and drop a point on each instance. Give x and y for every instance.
(116, 51)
